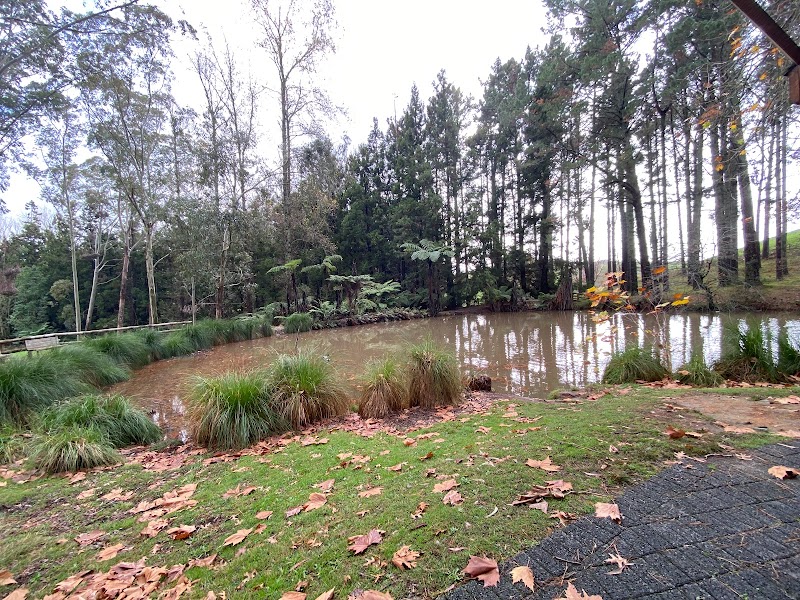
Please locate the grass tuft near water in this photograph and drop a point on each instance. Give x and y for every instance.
(73, 449)
(128, 349)
(788, 356)
(749, 360)
(384, 389)
(298, 323)
(697, 374)
(632, 365)
(93, 366)
(433, 376)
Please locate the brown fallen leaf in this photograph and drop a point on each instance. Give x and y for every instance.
(484, 569)
(71, 582)
(572, 593)
(264, 514)
(542, 506)
(203, 562)
(326, 486)
(293, 596)
(409, 442)
(782, 472)
(564, 517)
(17, 594)
(621, 562)
(6, 578)
(428, 456)
(405, 558)
(117, 495)
(452, 498)
(397, 467)
(787, 400)
(153, 527)
(295, 511)
(376, 491)
(239, 491)
(236, 538)
(79, 476)
(86, 494)
(545, 465)
(483, 430)
(359, 543)
(741, 430)
(371, 595)
(109, 552)
(673, 433)
(445, 486)
(327, 595)
(523, 574)
(85, 539)
(604, 510)
(182, 532)
(315, 501)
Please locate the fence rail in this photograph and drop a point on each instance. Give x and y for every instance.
(20, 341)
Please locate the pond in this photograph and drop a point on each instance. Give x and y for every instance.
(529, 353)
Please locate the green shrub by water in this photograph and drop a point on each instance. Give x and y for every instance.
(128, 349)
(305, 389)
(31, 384)
(153, 339)
(433, 376)
(298, 323)
(384, 389)
(73, 449)
(177, 343)
(788, 356)
(232, 411)
(697, 374)
(632, 365)
(750, 360)
(94, 367)
(121, 423)
(12, 444)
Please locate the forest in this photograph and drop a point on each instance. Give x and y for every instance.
(604, 149)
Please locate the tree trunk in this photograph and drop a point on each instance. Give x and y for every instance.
(152, 305)
(752, 255)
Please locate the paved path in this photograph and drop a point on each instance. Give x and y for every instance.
(723, 530)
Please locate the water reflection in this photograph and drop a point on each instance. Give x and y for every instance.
(525, 353)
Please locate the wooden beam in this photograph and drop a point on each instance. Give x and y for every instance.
(771, 29)
(794, 85)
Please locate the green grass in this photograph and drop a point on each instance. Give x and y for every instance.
(232, 411)
(305, 388)
(93, 366)
(121, 423)
(384, 389)
(697, 374)
(73, 449)
(433, 376)
(788, 356)
(632, 365)
(12, 444)
(749, 359)
(298, 323)
(312, 546)
(128, 349)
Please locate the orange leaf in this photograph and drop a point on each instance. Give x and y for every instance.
(659, 270)
(109, 552)
(327, 595)
(604, 510)
(359, 543)
(264, 514)
(405, 558)
(445, 486)
(483, 568)
(6, 578)
(182, 532)
(673, 433)
(545, 465)
(782, 472)
(376, 491)
(236, 538)
(573, 594)
(523, 574)
(315, 500)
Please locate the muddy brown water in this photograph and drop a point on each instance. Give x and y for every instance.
(529, 354)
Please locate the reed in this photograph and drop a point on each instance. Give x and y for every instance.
(632, 365)
(128, 349)
(384, 390)
(433, 376)
(73, 449)
(697, 374)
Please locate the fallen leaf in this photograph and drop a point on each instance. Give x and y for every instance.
(359, 543)
(117, 495)
(325, 486)
(573, 594)
(17, 594)
(327, 595)
(621, 562)
(371, 595)
(203, 562)
(264, 514)
(376, 491)
(405, 558)
(545, 465)
(293, 596)
(445, 486)
(428, 456)
(182, 532)
(673, 433)
(782, 472)
(604, 510)
(542, 506)
(153, 527)
(787, 400)
(613, 449)
(397, 467)
(523, 574)
(71, 582)
(236, 538)
(239, 491)
(86, 494)
(109, 552)
(315, 501)
(409, 442)
(453, 498)
(85, 539)
(80, 476)
(741, 430)
(6, 578)
(483, 430)
(295, 511)
(483, 568)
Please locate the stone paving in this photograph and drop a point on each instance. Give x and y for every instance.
(724, 529)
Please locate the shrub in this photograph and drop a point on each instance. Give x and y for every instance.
(632, 365)
(697, 374)
(788, 356)
(298, 323)
(264, 325)
(128, 349)
(384, 390)
(305, 389)
(177, 344)
(201, 336)
(12, 445)
(73, 449)
(749, 360)
(30, 384)
(153, 340)
(121, 423)
(232, 411)
(433, 377)
(92, 366)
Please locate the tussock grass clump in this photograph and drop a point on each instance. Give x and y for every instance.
(298, 323)
(94, 367)
(384, 390)
(697, 374)
(12, 445)
(176, 344)
(201, 336)
(632, 365)
(73, 449)
(750, 360)
(788, 356)
(128, 349)
(305, 389)
(433, 377)
(232, 411)
(30, 384)
(153, 340)
(121, 423)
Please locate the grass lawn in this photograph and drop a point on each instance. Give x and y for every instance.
(601, 445)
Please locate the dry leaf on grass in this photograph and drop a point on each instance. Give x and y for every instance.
(182, 532)
(327, 595)
(445, 486)
(397, 467)
(542, 506)
(376, 491)
(117, 495)
(86, 494)
(6, 578)
(573, 594)
(370, 595)
(545, 465)
(523, 574)
(153, 527)
(315, 501)
(109, 552)
(264, 514)
(203, 562)
(741, 430)
(236, 538)
(453, 498)
(293, 596)
(17, 594)
(405, 558)
(483, 568)
(782, 472)
(239, 491)
(85, 539)
(326, 486)
(621, 562)
(359, 543)
(295, 511)
(674, 434)
(603, 510)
